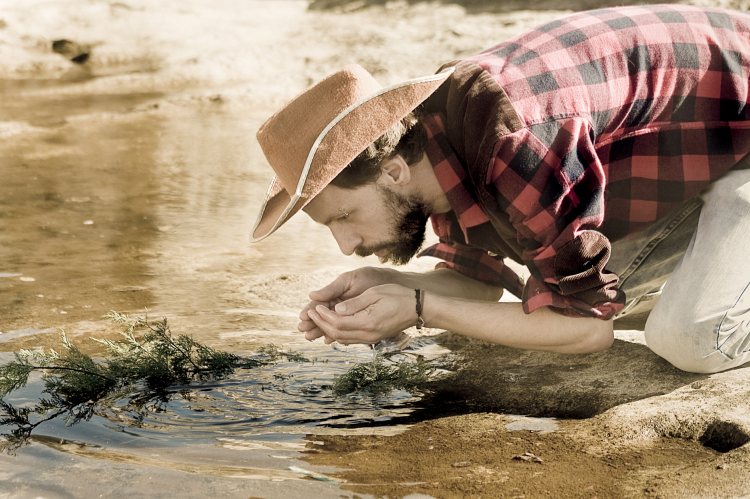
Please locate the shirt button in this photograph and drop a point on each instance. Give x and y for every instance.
(492, 254)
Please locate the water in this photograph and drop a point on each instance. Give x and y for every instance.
(111, 202)
(282, 397)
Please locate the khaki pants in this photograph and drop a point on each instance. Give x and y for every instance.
(693, 268)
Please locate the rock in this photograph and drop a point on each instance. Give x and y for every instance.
(528, 457)
(71, 50)
(716, 414)
(542, 384)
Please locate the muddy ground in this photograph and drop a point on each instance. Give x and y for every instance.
(122, 87)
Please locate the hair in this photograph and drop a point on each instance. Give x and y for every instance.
(407, 138)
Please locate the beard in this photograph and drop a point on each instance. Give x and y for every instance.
(408, 216)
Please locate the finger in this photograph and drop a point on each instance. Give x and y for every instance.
(354, 305)
(345, 329)
(324, 320)
(303, 316)
(305, 326)
(328, 317)
(314, 334)
(334, 290)
(321, 328)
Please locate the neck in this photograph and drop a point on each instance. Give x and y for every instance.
(428, 187)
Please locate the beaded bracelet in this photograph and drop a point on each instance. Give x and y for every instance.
(420, 320)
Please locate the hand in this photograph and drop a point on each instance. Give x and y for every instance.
(377, 313)
(346, 286)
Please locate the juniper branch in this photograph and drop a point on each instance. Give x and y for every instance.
(380, 376)
(142, 370)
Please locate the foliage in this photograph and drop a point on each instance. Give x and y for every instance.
(157, 359)
(381, 375)
(274, 353)
(138, 369)
(148, 368)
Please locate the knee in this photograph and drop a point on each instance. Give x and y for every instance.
(733, 189)
(684, 343)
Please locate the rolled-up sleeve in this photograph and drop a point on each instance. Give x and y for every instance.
(551, 183)
(476, 264)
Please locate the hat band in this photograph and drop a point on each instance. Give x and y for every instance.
(345, 112)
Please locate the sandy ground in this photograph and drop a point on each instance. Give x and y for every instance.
(636, 426)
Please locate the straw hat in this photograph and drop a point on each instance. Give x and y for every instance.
(318, 133)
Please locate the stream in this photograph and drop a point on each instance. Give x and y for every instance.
(109, 202)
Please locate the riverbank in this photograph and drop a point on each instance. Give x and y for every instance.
(122, 193)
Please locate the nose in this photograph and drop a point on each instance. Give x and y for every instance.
(347, 240)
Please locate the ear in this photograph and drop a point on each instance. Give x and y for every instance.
(395, 171)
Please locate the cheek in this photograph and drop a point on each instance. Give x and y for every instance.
(386, 230)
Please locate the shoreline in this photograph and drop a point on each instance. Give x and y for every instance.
(180, 83)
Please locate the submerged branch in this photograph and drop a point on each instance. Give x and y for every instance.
(381, 375)
(142, 370)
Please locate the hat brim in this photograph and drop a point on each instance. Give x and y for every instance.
(368, 118)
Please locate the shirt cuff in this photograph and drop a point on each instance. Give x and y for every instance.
(539, 294)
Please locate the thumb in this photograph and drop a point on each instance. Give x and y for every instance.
(333, 291)
(353, 305)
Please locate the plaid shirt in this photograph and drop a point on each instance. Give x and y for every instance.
(465, 232)
(624, 114)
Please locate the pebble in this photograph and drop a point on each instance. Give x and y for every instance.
(529, 457)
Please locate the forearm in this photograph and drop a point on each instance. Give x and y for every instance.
(507, 324)
(446, 282)
(352, 284)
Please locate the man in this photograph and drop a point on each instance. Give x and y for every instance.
(605, 151)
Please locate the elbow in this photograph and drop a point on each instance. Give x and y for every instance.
(598, 336)
(494, 293)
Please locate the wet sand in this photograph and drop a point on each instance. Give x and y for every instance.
(132, 181)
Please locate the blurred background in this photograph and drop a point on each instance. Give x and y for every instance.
(130, 177)
(130, 180)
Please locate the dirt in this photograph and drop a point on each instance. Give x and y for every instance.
(475, 456)
(150, 137)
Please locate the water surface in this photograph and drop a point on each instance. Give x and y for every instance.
(112, 202)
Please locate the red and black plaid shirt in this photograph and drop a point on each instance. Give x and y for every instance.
(626, 113)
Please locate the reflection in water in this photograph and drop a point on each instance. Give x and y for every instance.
(158, 385)
(103, 454)
(109, 209)
(278, 391)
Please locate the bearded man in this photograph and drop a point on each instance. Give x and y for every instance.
(606, 151)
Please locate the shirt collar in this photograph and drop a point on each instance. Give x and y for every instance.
(453, 179)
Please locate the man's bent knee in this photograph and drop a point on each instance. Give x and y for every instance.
(700, 346)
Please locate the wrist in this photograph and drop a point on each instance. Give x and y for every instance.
(388, 276)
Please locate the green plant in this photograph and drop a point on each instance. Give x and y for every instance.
(137, 369)
(157, 359)
(146, 366)
(381, 375)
